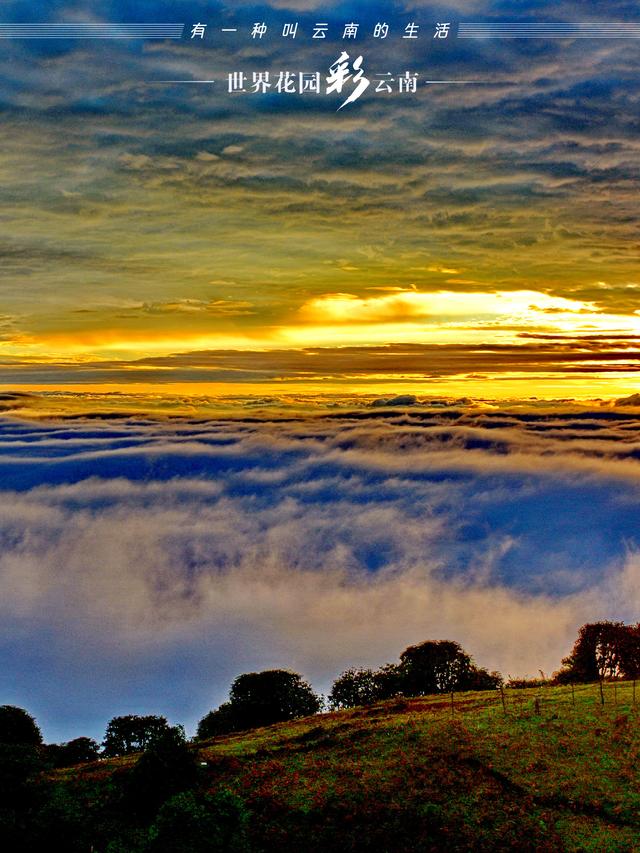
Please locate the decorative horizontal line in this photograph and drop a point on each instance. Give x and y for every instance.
(91, 30)
(549, 30)
(84, 36)
(90, 24)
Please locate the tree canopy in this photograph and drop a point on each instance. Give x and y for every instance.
(434, 666)
(603, 650)
(17, 727)
(77, 751)
(132, 733)
(364, 686)
(260, 699)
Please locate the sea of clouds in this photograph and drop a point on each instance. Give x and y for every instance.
(147, 561)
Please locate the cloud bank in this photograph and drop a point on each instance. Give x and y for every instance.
(145, 562)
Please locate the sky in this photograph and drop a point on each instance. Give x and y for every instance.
(477, 235)
(292, 382)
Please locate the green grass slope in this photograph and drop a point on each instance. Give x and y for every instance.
(551, 770)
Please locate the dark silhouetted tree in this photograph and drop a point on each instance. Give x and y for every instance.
(18, 727)
(480, 679)
(630, 652)
(260, 699)
(167, 767)
(22, 793)
(77, 751)
(390, 681)
(132, 733)
(354, 687)
(602, 650)
(435, 666)
(22, 788)
(364, 686)
(263, 698)
(218, 722)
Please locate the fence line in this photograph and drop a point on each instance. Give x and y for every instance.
(541, 698)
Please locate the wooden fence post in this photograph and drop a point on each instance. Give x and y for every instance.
(504, 704)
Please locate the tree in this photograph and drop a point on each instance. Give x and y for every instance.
(167, 767)
(263, 698)
(132, 733)
(218, 722)
(260, 699)
(364, 686)
(480, 679)
(22, 793)
(21, 787)
(354, 687)
(78, 751)
(630, 652)
(435, 666)
(18, 727)
(602, 650)
(390, 681)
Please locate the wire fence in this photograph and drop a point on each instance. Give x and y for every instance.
(622, 696)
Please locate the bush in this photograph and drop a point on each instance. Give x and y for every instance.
(479, 678)
(22, 793)
(167, 767)
(521, 683)
(64, 822)
(208, 824)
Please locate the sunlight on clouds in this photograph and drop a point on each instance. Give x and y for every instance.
(515, 304)
(333, 318)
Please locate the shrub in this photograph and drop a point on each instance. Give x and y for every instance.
(168, 766)
(207, 824)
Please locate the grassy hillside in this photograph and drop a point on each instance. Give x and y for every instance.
(557, 771)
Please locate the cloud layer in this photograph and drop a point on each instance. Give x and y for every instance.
(146, 562)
